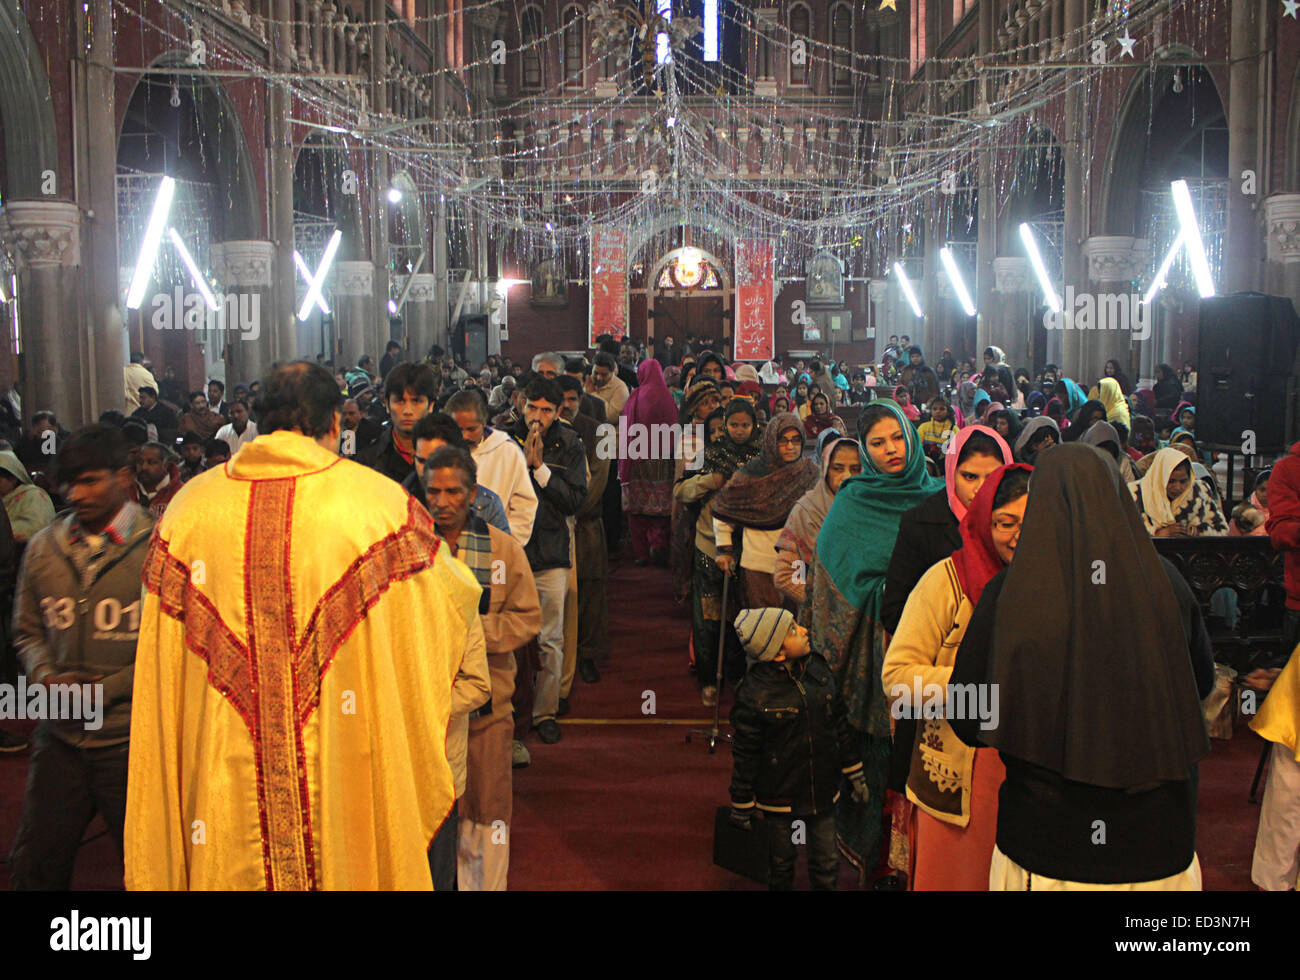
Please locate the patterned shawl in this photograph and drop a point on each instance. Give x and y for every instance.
(808, 514)
(726, 456)
(763, 492)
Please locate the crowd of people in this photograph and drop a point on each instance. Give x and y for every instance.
(846, 538)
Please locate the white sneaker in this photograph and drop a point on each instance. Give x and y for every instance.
(519, 757)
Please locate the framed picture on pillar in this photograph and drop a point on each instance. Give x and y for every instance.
(550, 284)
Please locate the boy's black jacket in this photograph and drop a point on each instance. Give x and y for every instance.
(792, 743)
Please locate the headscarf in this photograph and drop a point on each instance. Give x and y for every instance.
(1013, 421)
(789, 404)
(726, 455)
(1111, 395)
(650, 404)
(705, 358)
(1036, 402)
(762, 493)
(1157, 508)
(989, 410)
(815, 423)
(979, 404)
(1101, 432)
(857, 537)
(1075, 702)
(747, 372)
(953, 455)
(977, 560)
(1034, 425)
(910, 410)
(1077, 426)
(966, 398)
(809, 512)
(751, 390)
(1074, 396)
(1183, 407)
(998, 356)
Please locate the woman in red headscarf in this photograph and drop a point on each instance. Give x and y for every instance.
(648, 482)
(820, 417)
(954, 788)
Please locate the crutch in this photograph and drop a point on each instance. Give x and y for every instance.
(714, 735)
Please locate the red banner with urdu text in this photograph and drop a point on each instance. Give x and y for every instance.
(755, 338)
(607, 311)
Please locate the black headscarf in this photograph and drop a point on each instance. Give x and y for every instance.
(1077, 426)
(1116, 715)
(726, 455)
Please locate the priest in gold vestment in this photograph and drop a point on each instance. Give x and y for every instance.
(301, 630)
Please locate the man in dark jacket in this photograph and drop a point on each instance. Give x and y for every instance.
(792, 747)
(77, 615)
(409, 391)
(557, 464)
(925, 383)
(155, 413)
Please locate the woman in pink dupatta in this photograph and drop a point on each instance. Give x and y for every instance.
(648, 482)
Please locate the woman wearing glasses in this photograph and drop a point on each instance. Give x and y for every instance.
(759, 498)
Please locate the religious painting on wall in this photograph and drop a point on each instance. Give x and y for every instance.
(607, 312)
(755, 338)
(824, 284)
(550, 283)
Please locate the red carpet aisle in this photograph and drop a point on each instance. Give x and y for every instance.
(630, 806)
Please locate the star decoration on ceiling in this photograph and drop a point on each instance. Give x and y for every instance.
(1127, 41)
(891, 5)
(1292, 6)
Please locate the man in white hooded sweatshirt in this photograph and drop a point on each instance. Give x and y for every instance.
(501, 465)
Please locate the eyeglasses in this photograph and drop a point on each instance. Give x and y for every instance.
(1007, 524)
(794, 441)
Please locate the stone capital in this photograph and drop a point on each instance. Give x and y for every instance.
(42, 233)
(1282, 217)
(354, 278)
(1115, 258)
(423, 285)
(1012, 274)
(243, 263)
(484, 17)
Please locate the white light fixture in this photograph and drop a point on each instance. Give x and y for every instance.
(305, 272)
(1036, 260)
(149, 247)
(663, 52)
(906, 285)
(190, 264)
(959, 284)
(1158, 283)
(394, 195)
(1192, 238)
(392, 306)
(318, 280)
(672, 121)
(710, 30)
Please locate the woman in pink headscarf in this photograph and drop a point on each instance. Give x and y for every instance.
(648, 482)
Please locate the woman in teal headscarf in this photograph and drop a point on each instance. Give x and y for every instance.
(1074, 396)
(853, 551)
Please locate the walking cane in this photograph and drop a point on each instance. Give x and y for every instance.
(713, 736)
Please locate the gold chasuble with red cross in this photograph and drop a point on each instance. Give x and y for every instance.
(302, 626)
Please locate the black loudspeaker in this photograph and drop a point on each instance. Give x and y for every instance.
(1246, 372)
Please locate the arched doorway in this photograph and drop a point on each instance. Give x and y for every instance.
(28, 148)
(182, 126)
(688, 292)
(1172, 126)
(324, 199)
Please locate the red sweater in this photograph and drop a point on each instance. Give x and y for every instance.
(1284, 519)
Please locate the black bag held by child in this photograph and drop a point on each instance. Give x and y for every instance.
(742, 852)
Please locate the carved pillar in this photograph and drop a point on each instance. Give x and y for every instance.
(45, 239)
(1114, 262)
(354, 305)
(1009, 322)
(244, 270)
(1241, 247)
(421, 313)
(317, 54)
(1282, 219)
